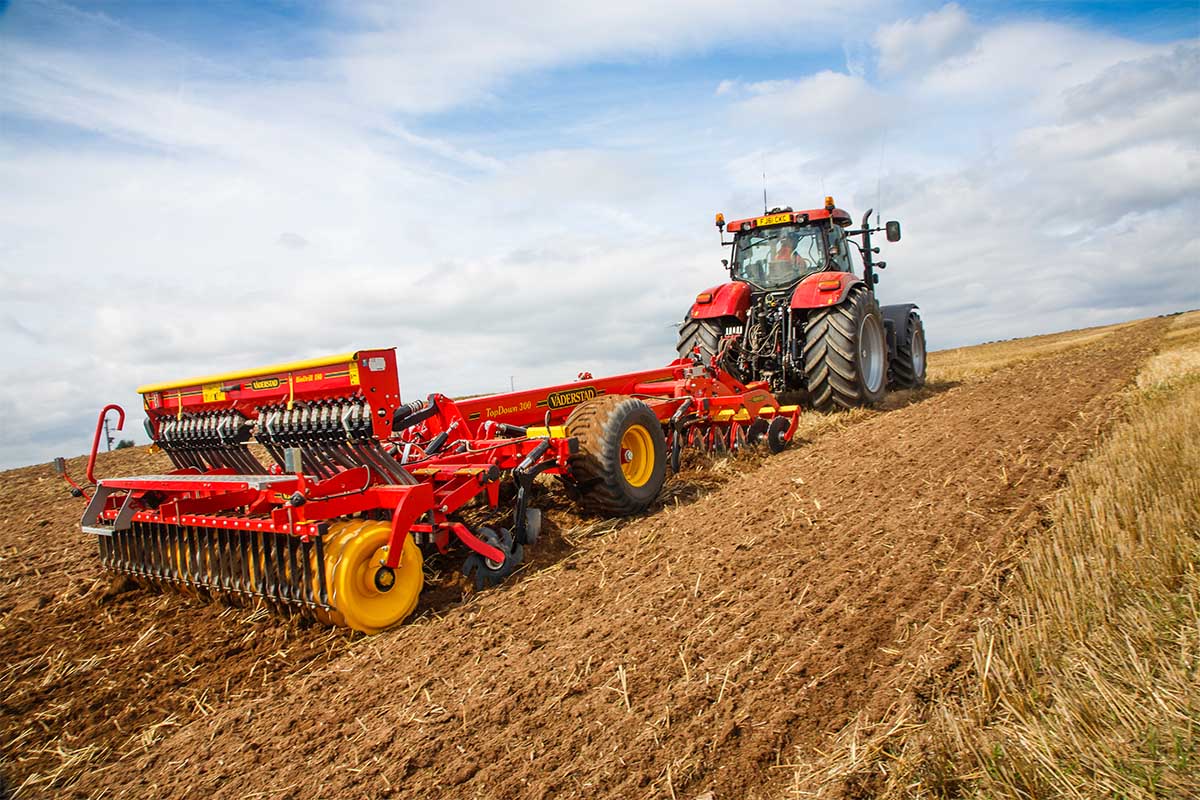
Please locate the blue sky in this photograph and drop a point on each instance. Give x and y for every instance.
(528, 190)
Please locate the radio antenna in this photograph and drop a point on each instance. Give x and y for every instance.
(879, 179)
(764, 174)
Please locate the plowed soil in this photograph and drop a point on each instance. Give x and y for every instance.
(710, 647)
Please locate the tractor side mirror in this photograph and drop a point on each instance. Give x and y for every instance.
(725, 263)
(893, 231)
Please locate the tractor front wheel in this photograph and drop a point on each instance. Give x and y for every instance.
(845, 353)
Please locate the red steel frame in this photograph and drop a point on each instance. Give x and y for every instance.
(478, 441)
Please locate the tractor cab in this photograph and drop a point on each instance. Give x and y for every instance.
(776, 251)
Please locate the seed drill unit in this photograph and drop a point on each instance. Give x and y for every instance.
(346, 488)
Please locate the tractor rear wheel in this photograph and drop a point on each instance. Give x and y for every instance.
(845, 353)
(703, 333)
(908, 370)
(622, 458)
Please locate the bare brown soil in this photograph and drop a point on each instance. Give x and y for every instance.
(709, 647)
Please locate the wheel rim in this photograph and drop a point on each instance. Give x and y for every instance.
(918, 353)
(494, 540)
(870, 353)
(353, 561)
(637, 455)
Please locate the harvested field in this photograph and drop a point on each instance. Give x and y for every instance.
(721, 644)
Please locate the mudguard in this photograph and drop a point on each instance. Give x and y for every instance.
(727, 300)
(895, 321)
(818, 291)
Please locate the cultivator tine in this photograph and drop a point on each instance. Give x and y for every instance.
(274, 568)
(120, 543)
(323, 597)
(223, 574)
(103, 543)
(190, 557)
(231, 565)
(285, 572)
(147, 557)
(293, 588)
(201, 555)
(166, 535)
(238, 579)
(227, 540)
(217, 561)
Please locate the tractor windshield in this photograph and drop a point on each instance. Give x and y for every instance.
(777, 257)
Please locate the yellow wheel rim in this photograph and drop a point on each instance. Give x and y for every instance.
(356, 553)
(637, 455)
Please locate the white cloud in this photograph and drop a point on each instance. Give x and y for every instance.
(913, 44)
(825, 113)
(434, 55)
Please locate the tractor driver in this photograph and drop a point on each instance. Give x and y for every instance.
(786, 264)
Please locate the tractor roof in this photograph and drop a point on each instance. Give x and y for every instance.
(787, 215)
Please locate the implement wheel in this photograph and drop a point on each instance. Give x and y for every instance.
(845, 353)
(485, 572)
(365, 596)
(622, 458)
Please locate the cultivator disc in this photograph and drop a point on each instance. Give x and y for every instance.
(731, 431)
(331, 578)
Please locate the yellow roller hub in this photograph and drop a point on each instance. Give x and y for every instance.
(353, 554)
(637, 455)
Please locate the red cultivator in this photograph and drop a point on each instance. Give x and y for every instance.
(359, 484)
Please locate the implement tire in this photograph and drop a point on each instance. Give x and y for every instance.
(845, 353)
(622, 459)
(703, 333)
(908, 370)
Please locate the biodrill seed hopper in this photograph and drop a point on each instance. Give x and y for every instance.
(358, 485)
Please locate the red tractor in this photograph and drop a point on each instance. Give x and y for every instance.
(797, 316)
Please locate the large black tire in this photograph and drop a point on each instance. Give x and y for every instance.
(608, 430)
(845, 353)
(703, 333)
(908, 368)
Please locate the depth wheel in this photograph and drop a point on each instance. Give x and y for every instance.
(485, 572)
(622, 458)
(365, 596)
(776, 435)
(756, 431)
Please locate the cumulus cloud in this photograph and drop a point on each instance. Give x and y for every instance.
(825, 112)
(433, 55)
(916, 44)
